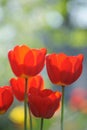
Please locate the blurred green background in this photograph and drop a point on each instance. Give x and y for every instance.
(58, 25)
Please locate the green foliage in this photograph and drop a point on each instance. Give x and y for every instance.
(28, 18)
(78, 38)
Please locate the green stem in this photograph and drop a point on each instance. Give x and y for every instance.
(25, 105)
(41, 128)
(30, 118)
(62, 108)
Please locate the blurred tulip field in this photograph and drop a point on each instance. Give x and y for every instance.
(58, 26)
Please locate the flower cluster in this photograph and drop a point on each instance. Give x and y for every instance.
(28, 86)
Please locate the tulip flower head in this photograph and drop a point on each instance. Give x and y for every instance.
(44, 103)
(18, 85)
(26, 62)
(6, 98)
(62, 69)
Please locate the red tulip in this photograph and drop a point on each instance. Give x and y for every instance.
(62, 69)
(25, 61)
(44, 103)
(6, 98)
(18, 85)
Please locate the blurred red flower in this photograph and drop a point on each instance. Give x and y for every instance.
(18, 85)
(6, 98)
(44, 103)
(62, 69)
(78, 99)
(25, 61)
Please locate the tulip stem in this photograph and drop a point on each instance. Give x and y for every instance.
(62, 108)
(41, 128)
(30, 118)
(25, 105)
